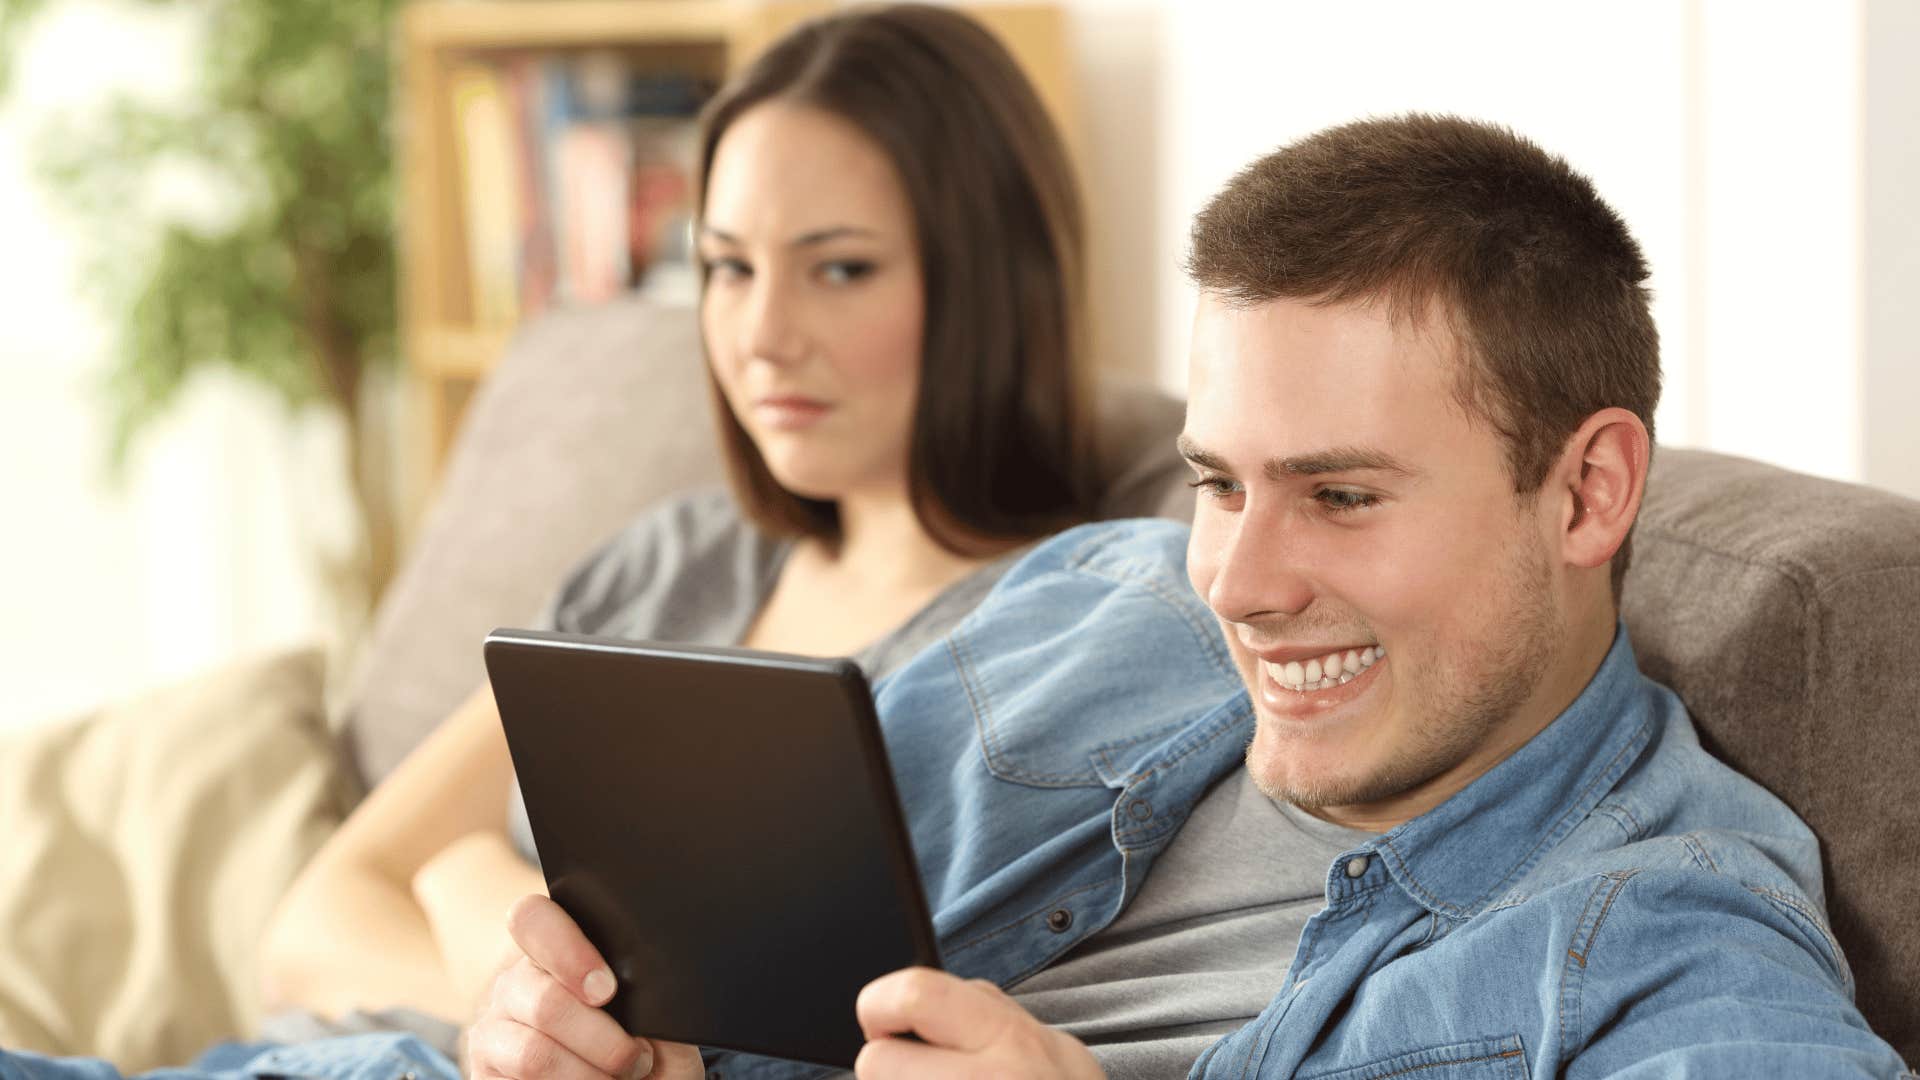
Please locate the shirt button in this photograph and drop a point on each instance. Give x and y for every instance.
(1357, 866)
(1059, 919)
(1140, 809)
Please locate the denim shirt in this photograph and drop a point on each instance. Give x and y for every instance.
(1609, 900)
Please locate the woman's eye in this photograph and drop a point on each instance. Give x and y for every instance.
(728, 268)
(845, 271)
(1341, 501)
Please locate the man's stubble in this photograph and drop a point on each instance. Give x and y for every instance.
(1468, 695)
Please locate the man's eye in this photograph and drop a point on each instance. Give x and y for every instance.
(1342, 501)
(845, 271)
(1215, 487)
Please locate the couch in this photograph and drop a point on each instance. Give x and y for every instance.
(1779, 606)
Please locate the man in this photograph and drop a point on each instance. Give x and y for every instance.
(1422, 388)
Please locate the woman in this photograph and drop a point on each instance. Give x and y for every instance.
(891, 313)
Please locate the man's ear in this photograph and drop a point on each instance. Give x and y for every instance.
(1600, 479)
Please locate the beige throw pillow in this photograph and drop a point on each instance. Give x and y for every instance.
(144, 848)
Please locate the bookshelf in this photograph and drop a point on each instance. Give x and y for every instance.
(450, 337)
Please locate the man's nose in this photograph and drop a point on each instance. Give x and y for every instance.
(771, 330)
(1260, 572)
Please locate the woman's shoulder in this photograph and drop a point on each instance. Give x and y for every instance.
(690, 528)
(688, 559)
(698, 518)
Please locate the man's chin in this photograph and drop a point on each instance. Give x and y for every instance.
(1310, 777)
(1329, 774)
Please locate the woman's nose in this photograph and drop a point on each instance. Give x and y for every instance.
(771, 325)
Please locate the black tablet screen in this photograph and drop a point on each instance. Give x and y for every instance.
(722, 825)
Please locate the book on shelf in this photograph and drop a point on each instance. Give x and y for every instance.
(576, 175)
(482, 115)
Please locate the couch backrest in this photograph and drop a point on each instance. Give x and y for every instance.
(591, 416)
(1784, 610)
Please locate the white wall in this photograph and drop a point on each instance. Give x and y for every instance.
(1780, 261)
(1891, 226)
(1551, 71)
(199, 559)
(1744, 142)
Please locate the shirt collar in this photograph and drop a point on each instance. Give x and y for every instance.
(1459, 856)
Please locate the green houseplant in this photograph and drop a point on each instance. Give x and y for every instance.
(288, 279)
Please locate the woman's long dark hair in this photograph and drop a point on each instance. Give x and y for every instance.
(1001, 447)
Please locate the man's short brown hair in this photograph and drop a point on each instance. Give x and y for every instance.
(1540, 282)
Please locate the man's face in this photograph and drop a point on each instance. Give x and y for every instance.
(1356, 527)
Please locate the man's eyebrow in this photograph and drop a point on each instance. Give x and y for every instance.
(1206, 459)
(1340, 459)
(807, 239)
(1337, 460)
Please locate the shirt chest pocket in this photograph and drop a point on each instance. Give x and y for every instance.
(1114, 722)
(1502, 1058)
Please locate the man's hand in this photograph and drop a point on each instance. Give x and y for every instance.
(967, 1027)
(542, 1018)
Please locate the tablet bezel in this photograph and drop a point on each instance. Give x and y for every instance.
(513, 657)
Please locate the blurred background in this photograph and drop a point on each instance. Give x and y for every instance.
(224, 393)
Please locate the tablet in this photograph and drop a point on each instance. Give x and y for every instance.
(722, 824)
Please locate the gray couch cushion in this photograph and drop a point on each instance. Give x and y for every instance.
(588, 417)
(1783, 609)
(591, 416)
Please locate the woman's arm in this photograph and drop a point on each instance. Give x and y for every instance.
(467, 890)
(352, 933)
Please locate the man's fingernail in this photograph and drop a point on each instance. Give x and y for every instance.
(599, 985)
(643, 1064)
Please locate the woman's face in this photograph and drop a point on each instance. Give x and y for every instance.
(814, 300)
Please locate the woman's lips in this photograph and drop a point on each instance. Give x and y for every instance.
(790, 412)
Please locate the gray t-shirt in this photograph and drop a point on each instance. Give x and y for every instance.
(693, 570)
(1205, 944)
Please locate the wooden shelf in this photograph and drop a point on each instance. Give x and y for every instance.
(458, 352)
(548, 24)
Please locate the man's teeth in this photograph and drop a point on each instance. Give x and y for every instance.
(1320, 673)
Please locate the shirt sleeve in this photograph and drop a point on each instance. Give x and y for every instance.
(689, 569)
(1702, 975)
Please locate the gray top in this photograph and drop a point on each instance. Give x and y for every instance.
(693, 570)
(1205, 944)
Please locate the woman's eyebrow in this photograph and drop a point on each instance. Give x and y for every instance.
(836, 232)
(805, 239)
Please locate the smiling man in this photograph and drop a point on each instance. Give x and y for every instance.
(1469, 838)
(1403, 616)
(1421, 394)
